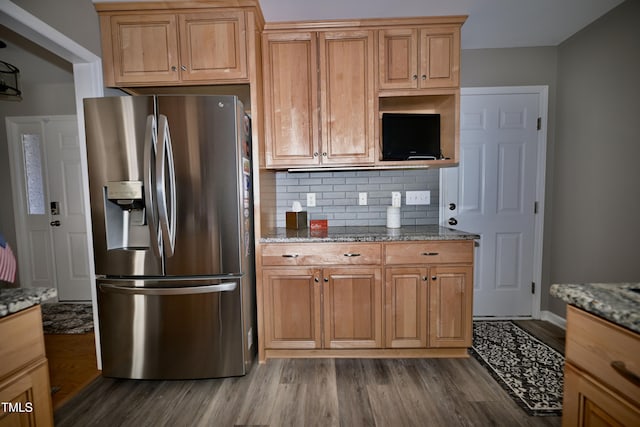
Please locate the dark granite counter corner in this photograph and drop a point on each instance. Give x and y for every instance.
(616, 302)
(13, 300)
(366, 234)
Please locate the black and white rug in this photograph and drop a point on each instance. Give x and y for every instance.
(67, 318)
(529, 370)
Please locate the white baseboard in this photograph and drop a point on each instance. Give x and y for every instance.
(551, 317)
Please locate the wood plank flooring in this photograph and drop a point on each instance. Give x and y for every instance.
(311, 392)
(72, 364)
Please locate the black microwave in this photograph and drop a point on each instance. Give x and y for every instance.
(409, 136)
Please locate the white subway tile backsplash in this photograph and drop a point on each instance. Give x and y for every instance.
(337, 195)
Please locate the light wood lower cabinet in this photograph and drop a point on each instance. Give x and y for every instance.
(312, 308)
(292, 308)
(394, 299)
(352, 307)
(602, 373)
(450, 306)
(406, 307)
(25, 393)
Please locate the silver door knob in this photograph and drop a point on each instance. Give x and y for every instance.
(453, 221)
(55, 223)
(452, 206)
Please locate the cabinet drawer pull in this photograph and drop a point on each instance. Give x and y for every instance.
(620, 368)
(430, 253)
(351, 254)
(290, 256)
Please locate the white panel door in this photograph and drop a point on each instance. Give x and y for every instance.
(67, 209)
(493, 193)
(49, 205)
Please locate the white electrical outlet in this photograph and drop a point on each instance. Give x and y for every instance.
(362, 199)
(311, 200)
(418, 197)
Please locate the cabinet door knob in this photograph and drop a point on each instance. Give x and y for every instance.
(55, 223)
(326, 279)
(315, 279)
(315, 154)
(434, 277)
(415, 77)
(425, 278)
(424, 77)
(183, 68)
(324, 154)
(174, 68)
(453, 221)
(452, 206)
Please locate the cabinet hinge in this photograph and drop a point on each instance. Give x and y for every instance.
(539, 124)
(533, 287)
(535, 207)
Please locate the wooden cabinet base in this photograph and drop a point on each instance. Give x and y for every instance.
(25, 390)
(378, 353)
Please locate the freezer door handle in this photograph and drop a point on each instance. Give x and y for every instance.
(187, 290)
(166, 208)
(150, 150)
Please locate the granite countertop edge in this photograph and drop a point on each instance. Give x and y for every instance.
(366, 234)
(616, 302)
(13, 300)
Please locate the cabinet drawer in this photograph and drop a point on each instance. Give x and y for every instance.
(22, 340)
(596, 346)
(322, 254)
(429, 252)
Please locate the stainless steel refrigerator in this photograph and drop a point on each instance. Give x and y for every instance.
(172, 218)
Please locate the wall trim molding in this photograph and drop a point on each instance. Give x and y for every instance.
(551, 317)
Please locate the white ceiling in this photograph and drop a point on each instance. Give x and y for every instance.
(491, 23)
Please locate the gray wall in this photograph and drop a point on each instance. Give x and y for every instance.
(522, 67)
(47, 88)
(595, 230)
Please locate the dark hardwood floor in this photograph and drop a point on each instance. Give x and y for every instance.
(314, 392)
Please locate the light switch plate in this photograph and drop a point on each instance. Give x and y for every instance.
(418, 197)
(362, 199)
(311, 200)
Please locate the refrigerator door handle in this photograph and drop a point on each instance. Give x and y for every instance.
(150, 207)
(166, 208)
(188, 290)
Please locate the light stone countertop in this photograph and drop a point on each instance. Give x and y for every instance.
(616, 302)
(366, 234)
(13, 300)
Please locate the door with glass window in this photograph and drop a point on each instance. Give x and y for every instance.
(52, 248)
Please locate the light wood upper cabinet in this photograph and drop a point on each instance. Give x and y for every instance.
(347, 97)
(174, 48)
(319, 98)
(291, 99)
(419, 58)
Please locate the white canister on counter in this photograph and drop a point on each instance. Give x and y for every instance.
(393, 217)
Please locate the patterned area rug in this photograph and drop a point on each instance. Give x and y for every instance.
(67, 318)
(529, 370)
